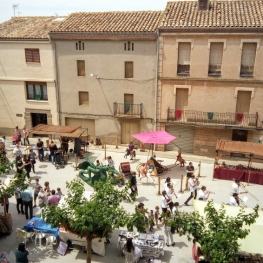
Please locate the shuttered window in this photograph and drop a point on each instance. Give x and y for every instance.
(128, 69)
(81, 67)
(32, 55)
(248, 59)
(215, 58)
(184, 54)
(83, 98)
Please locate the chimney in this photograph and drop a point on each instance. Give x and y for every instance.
(203, 5)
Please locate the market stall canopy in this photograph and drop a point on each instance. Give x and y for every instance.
(159, 137)
(63, 131)
(240, 147)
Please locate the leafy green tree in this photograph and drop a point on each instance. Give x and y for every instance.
(97, 217)
(216, 232)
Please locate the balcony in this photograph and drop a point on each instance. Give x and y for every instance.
(126, 110)
(213, 119)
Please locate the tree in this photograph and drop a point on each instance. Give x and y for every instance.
(97, 217)
(216, 232)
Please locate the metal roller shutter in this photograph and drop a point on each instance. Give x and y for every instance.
(184, 138)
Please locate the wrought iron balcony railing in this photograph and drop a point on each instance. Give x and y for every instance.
(212, 118)
(126, 110)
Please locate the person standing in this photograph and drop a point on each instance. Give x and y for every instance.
(17, 151)
(189, 172)
(133, 184)
(193, 185)
(17, 133)
(131, 150)
(235, 187)
(25, 135)
(42, 197)
(165, 201)
(19, 165)
(157, 216)
(169, 192)
(40, 149)
(52, 148)
(110, 161)
(53, 199)
(32, 158)
(27, 199)
(19, 201)
(36, 187)
(167, 229)
(27, 165)
(21, 254)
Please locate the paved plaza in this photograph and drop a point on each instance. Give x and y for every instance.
(147, 193)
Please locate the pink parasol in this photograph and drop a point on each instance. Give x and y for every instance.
(159, 137)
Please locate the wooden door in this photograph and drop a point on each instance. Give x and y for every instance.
(243, 101)
(181, 99)
(127, 130)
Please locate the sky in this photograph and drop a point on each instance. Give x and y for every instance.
(65, 7)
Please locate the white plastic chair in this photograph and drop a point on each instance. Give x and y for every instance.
(38, 236)
(24, 234)
(50, 240)
(129, 257)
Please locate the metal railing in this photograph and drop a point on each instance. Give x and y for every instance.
(127, 110)
(213, 118)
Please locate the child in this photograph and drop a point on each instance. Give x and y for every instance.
(157, 216)
(59, 192)
(98, 163)
(151, 220)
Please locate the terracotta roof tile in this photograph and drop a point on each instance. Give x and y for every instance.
(230, 14)
(31, 27)
(111, 22)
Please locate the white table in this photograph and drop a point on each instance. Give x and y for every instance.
(151, 245)
(98, 245)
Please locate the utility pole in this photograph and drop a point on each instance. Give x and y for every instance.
(15, 7)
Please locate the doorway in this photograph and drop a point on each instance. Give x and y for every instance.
(38, 118)
(239, 135)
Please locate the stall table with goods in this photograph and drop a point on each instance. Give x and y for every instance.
(151, 245)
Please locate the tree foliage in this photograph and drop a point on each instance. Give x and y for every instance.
(97, 217)
(216, 232)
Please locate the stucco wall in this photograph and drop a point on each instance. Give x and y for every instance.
(14, 72)
(106, 59)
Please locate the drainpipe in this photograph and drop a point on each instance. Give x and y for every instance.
(57, 84)
(156, 83)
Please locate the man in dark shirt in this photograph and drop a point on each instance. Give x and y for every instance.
(40, 150)
(189, 171)
(133, 184)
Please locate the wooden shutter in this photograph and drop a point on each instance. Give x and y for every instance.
(243, 101)
(216, 54)
(184, 53)
(248, 54)
(32, 55)
(83, 98)
(128, 69)
(81, 67)
(181, 99)
(128, 98)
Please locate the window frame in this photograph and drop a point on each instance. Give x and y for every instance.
(79, 70)
(215, 73)
(81, 104)
(180, 71)
(42, 86)
(243, 73)
(34, 58)
(128, 76)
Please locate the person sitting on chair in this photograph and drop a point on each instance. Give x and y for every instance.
(132, 254)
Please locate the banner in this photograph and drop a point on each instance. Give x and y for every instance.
(210, 115)
(239, 117)
(178, 114)
(127, 108)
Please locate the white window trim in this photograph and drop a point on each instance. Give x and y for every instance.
(189, 87)
(185, 41)
(216, 40)
(250, 41)
(245, 89)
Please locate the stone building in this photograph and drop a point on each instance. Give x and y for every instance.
(27, 75)
(106, 66)
(210, 73)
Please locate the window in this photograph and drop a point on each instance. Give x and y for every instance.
(80, 45)
(215, 59)
(36, 91)
(81, 67)
(248, 59)
(184, 53)
(128, 69)
(83, 98)
(128, 46)
(32, 55)
(128, 103)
